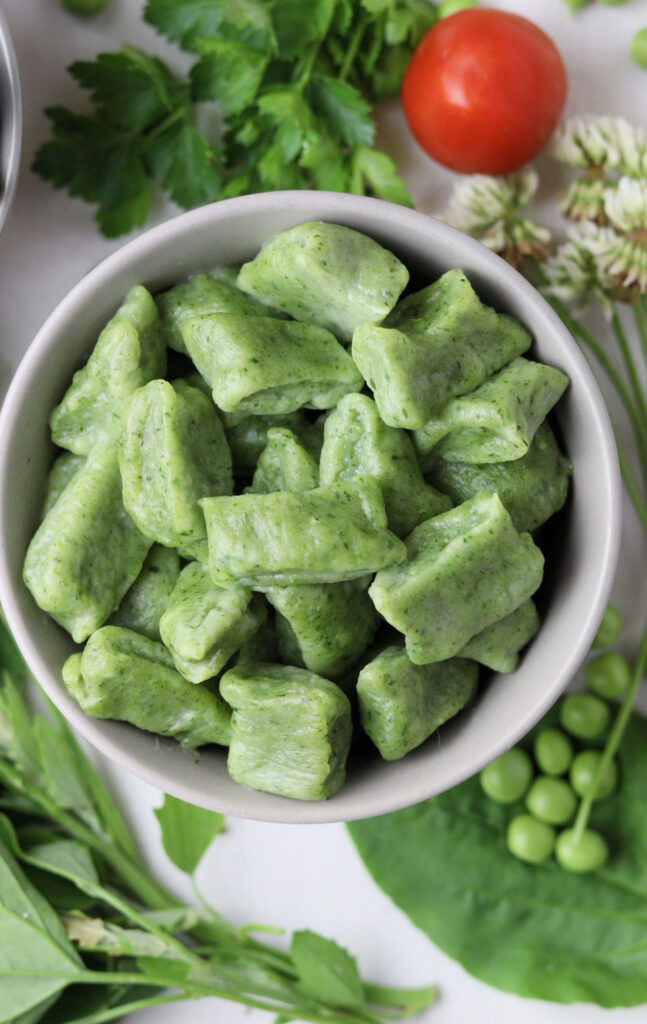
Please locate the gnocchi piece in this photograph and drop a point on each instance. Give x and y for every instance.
(284, 465)
(173, 453)
(326, 535)
(147, 599)
(290, 731)
(130, 351)
(402, 704)
(87, 552)
(264, 366)
(328, 275)
(466, 569)
(436, 344)
(200, 294)
(497, 646)
(357, 442)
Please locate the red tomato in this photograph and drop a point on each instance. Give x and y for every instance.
(484, 91)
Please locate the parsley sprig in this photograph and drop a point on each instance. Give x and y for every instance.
(293, 83)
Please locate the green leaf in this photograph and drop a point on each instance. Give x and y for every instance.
(94, 161)
(33, 967)
(16, 735)
(129, 89)
(187, 831)
(281, 104)
(67, 858)
(297, 24)
(62, 779)
(112, 825)
(407, 1001)
(540, 932)
(186, 21)
(327, 973)
(184, 163)
(124, 192)
(10, 657)
(228, 72)
(347, 114)
(375, 172)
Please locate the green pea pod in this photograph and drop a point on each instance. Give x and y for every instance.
(290, 731)
(322, 536)
(201, 294)
(497, 646)
(284, 465)
(129, 353)
(327, 274)
(532, 488)
(436, 344)
(204, 624)
(264, 366)
(357, 442)
(173, 452)
(325, 627)
(466, 569)
(124, 676)
(497, 421)
(87, 552)
(402, 704)
(147, 599)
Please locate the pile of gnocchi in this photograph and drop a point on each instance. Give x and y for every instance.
(296, 501)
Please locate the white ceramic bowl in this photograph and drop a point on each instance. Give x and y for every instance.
(581, 547)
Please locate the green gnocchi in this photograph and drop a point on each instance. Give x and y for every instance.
(314, 522)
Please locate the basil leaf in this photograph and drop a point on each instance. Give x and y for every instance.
(540, 932)
(187, 831)
(327, 973)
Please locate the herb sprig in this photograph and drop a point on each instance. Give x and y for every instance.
(293, 83)
(86, 934)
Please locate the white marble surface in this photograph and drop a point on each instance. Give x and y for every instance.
(295, 876)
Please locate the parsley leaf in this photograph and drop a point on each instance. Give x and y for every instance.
(292, 83)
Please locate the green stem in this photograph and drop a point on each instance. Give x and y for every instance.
(304, 67)
(630, 365)
(581, 334)
(353, 47)
(640, 314)
(123, 1009)
(632, 489)
(614, 740)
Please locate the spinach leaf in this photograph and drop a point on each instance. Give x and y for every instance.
(187, 831)
(539, 932)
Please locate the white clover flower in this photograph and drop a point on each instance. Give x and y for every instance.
(584, 199)
(626, 205)
(603, 144)
(625, 261)
(489, 208)
(576, 270)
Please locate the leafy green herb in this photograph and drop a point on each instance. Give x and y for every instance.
(187, 831)
(536, 931)
(87, 934)
(293, 83)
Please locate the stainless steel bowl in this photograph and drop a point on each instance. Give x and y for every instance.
(10, 120)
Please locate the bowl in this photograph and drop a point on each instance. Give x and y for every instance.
(582, 548)
(10, 120)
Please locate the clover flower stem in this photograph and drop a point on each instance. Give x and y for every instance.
(630, 365)
(640, 314)
(586, 339)
(632, 489)
(614, 739)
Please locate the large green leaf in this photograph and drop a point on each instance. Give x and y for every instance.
(187, 831)
(540, 932)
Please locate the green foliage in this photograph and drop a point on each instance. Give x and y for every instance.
(293, 83)
(187, 831)
(85, 930)
(539, 932)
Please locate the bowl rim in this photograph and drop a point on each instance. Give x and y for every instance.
(163, 235)
(12, 117)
